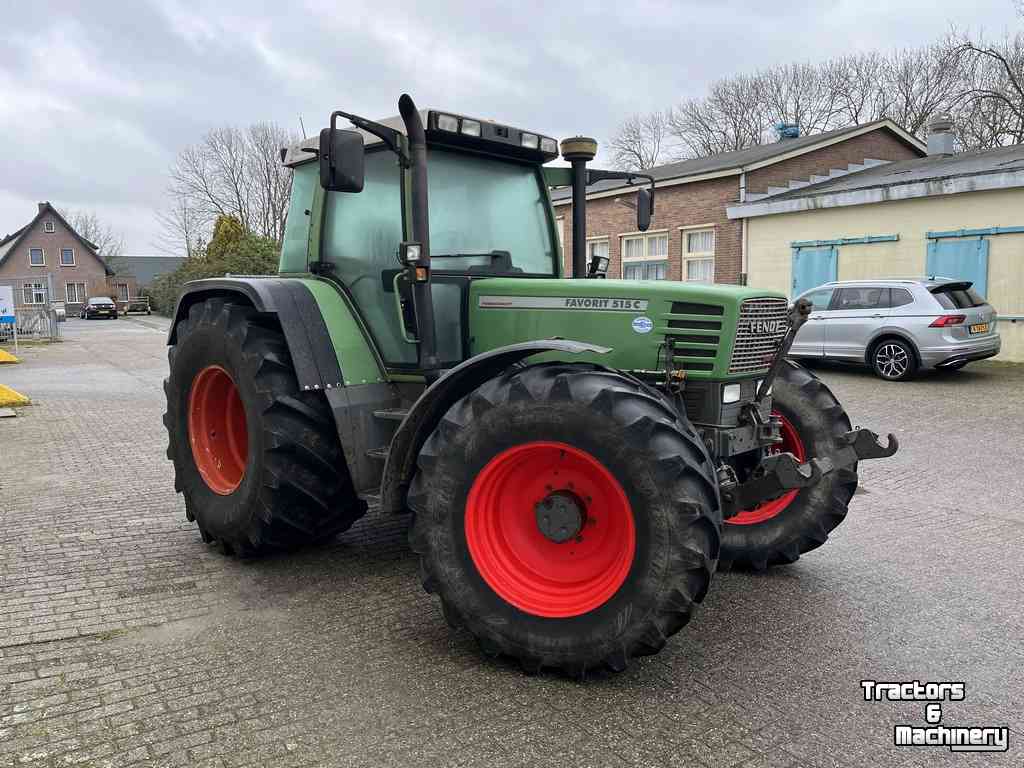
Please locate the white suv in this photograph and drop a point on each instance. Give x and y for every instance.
(898, 326)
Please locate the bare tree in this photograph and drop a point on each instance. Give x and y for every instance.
(980, 82)
(731, 116)
(638, 143)
(990, 108)
(230, 172)
(183, 228)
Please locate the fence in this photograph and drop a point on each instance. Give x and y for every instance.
(37, 314)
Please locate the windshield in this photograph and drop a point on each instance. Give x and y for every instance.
(482, 208)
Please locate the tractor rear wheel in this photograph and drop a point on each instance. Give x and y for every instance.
(780, 530)
(567, 517)
(257, 460)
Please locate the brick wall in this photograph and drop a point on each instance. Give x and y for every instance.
(879, 144)
(683, 205)
(704, 202)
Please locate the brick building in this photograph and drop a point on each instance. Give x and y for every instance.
(48, 254)
(691, 237)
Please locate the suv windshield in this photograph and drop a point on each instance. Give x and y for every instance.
(480, 206)
(957, 298)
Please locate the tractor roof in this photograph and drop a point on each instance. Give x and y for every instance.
(296, 154)
(487, 136)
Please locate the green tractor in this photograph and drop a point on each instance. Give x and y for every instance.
(580, 455)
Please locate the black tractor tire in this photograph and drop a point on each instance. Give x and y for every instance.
(894, 360)
(805, 523)
(295, 488)
(665, 476)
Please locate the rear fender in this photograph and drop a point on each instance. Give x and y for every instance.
(309, 343)
(441, 395)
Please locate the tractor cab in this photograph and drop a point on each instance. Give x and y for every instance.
(489, 216)
(486, 213)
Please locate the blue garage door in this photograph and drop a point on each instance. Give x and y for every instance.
(813, 267)
(962, 259)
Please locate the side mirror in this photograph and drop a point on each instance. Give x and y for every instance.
(341, 159)
(644, 208)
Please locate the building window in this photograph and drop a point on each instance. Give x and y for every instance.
(67, 257)
(645, 257)
(48, 226)
(122, 291)
(699, 256)
(36, 257)
(75, 293)
(34, 293)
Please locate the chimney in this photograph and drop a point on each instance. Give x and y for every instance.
(42, 207)
(787, 131)
(940, 134)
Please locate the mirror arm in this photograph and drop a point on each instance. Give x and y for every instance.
(393, 140)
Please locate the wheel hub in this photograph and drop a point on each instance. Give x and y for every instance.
(217, 430)
(560, 516)
(550, 529)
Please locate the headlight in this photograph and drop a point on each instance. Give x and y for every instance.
(470, 127)
(549, 145)
(731, 393)
(448, 123)
(529, 140)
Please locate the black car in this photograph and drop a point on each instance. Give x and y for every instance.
(99, 306)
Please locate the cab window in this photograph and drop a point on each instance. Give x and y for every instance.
(362, 233)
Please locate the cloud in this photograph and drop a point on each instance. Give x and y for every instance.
(96, 99)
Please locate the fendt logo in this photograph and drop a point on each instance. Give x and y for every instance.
(766, 327)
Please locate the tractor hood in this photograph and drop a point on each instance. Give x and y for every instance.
(639, 320)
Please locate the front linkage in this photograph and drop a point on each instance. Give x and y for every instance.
(782, 472)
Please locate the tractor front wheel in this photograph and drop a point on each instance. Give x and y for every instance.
(567, 517)
(779, 530)
(257, 460)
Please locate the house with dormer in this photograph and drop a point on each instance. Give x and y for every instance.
(48, 261)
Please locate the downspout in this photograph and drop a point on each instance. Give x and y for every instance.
(743, 231)
(421, 294)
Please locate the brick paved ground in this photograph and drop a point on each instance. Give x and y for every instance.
(124, 640)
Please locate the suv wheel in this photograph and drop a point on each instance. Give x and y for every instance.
(894, 360)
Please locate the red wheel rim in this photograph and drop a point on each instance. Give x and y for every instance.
(791, 443)
(217, 430)
(523, 566)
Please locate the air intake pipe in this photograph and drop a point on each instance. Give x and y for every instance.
(421, 294)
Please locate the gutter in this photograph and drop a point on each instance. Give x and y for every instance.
(952, 185)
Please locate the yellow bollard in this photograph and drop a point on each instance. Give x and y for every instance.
(7, 357)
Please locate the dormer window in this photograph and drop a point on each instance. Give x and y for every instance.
(49, 227)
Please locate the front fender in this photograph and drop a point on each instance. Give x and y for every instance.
(441, 395)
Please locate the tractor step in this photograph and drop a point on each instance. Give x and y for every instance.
(372, 499)
(378, 453)
(395, 414)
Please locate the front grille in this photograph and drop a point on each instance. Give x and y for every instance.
(694, 334)
(761, 327)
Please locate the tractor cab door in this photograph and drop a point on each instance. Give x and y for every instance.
(361, 238)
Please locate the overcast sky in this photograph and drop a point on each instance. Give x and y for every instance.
(97, 98)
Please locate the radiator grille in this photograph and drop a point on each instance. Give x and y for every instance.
(692, 330)
(762, 325)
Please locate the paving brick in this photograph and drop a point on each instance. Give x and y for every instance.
(126, 641)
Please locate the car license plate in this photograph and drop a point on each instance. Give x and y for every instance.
(979, 328)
